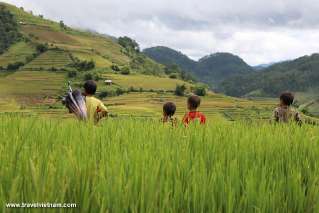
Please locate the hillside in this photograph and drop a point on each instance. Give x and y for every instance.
(211, 69)
(168, 56)
(70, 44)
(217, 67)
(37, 64)
(298, 75)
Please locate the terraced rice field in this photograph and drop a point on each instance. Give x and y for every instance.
(52, 58)
(31, 84)
(16, 53)
(100, 62)
(144, 81)
(214, 106)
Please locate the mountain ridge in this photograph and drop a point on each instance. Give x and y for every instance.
(211, 69)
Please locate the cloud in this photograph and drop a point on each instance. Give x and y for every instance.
(259, 31)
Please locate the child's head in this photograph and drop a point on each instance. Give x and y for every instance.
(169, 109)
(90, 87)
(286, 99)
(193, 102)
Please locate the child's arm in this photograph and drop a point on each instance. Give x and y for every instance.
(101, 111)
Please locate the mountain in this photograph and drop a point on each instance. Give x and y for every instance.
(211, 69)
(299, 75)
(32, 42)
(262, 67)
(168, 56)
(215, 68)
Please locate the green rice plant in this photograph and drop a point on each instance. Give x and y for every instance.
(145, 166)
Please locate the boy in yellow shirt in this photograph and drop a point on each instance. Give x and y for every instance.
(95, 108)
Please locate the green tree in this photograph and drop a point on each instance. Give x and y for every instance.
(9, 32)
(180, 90)
(129, 44)
(41, 48)
(200, 90)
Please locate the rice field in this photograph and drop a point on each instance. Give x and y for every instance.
(16, 53)
(146, 82)
(51, 59)
(214, 106)
(31, 84)
(142, 166)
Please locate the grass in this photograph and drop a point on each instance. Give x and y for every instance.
(142, 166)
(145, 81)
(100, 62)
(50, 59)
(31, 85)
(214, 106)
(16, 53)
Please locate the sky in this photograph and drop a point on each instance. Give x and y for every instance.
(259, 31)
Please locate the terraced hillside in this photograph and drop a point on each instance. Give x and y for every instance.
(82, 44)
(34, 88)
(17, 52)
(54, 58)
(214, 106)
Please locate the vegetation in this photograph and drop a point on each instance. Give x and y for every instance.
(53, 59)
(134, 166)
(41, 48)
(180, 90)
(125, 71)
(297, 75)
(211, 69)
(170, 57)
(9, 31)
(82, 65)
(14, 66)
(130, 45)
(200, 90)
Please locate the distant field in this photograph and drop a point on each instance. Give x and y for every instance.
(48, 60)
(214, 106)
(31, 84)
(16, 53)
(100, 62)
(144, 81)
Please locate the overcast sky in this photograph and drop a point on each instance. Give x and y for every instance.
(259, 31)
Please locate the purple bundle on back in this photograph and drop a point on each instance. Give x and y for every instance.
(75, 102)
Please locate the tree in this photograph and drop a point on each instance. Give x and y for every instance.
(9, 32)
(180, 90)
(200, 90)
(88, 76)
(15, 66)
(72, 74)
(115, 68)
(62, 25)
(125, 71)
(129, 44)
(41, 48)
(173, 75)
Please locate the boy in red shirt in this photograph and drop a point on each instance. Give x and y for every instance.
(193, 103)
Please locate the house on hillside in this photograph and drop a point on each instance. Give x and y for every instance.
(108, 82)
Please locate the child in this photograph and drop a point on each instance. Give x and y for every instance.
(169, 109)
(193, 103)
(95, 108)
(284, 113)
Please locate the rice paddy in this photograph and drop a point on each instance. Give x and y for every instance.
(142, 166)
(51, 59)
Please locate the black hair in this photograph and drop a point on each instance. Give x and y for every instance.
(169, 109)
(90, 87)
(287, 98)
(193, 102)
